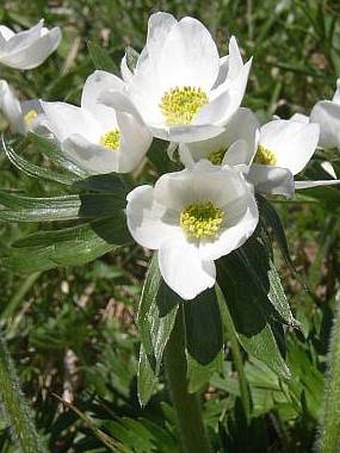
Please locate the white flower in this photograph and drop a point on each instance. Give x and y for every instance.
(22, 116)
(98, 138)
(285, 147)
(180, 87)
(327, 115)
(27, 49)
(192, 218)
(236, 145)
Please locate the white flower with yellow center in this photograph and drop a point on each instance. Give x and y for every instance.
(236, 145)
(284, 149)
(327, 115)
(27, 49)
(22, 116)
(98, 138)
(192, 218)
(180, 87)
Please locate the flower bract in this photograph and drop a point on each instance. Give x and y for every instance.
(192, 218)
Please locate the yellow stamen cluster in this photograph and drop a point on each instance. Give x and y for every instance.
(111, 140)
(30, 117)
(264, 156)
(201, 220)
(181, 105)
(216, 157)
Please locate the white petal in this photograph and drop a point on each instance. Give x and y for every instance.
(135, 141)
(144, 219)
(240, 137)
(65, 119)
(90, 156)
(120, 101)
(309, 184)
(242, 219)
(327, 115)
(5, 34)
(32, 53)
(11, 108)
(19, 41)
(238, 153)
(189, 56)
(223, 71)
(125, 70)
(328, 168)
(186, 134)
(271, 180)
(226, 99)
(336, 97)
(159, 26)
(300, 117)
(235, 59)
(97, 83)
(201, 183)
(292, 142)
(183, 270)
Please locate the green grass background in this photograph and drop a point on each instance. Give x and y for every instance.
(71, 332)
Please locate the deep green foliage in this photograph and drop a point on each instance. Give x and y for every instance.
(71, 331)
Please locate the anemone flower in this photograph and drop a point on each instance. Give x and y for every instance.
(180, 87)
(22, 116)
(96, 137)
(191, 221)
(27, 49)
(327, 115)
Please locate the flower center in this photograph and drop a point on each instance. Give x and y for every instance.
(30, 117)
(181, 105)
(216, 157)
(111, 140)
(201, 220)
(264, 156)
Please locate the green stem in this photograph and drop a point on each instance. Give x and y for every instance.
(187, 405)
(19, 295)
(237, 355)
(17, 411)
(329, 434)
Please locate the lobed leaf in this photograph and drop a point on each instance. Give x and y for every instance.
(246, 288)
(67, 247)
(69, 207)
(155, 319)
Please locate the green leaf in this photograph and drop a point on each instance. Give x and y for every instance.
(69, 207)
(271, 219)
(35, 171)
(248, 307)
(48, 148)
(101, 58)
(67, 247)
(261, 273)
(204, 339)
(147, 378)
(155, 319)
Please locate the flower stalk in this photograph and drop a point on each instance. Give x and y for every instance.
(187, 405)
(329, 434)
(17, 412)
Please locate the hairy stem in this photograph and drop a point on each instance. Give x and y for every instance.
(14, 406)
(329, 434)
(187, 405)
